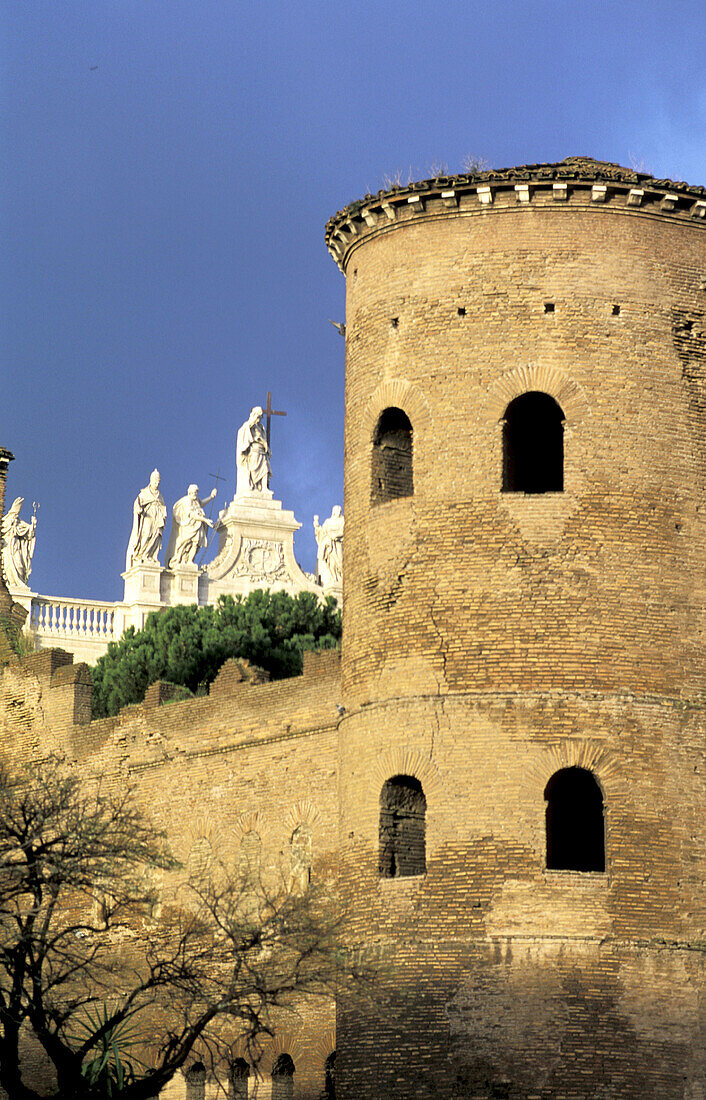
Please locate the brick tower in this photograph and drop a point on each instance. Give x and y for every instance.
(522, 782)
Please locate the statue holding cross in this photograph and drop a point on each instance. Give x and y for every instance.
(252, 451)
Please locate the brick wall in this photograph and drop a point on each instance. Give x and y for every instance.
(250, 761)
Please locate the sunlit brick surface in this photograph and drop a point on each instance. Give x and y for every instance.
(492, 638)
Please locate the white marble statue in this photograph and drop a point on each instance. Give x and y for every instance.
(189, 526)
(252, 457)
(18, 540)
(329, 540)
(149, 516)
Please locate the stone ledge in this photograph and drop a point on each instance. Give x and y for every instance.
(596, 183)
(70, 673)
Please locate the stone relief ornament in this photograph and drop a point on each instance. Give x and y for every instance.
(225, 558)
(18, 540)
(329, 540)
(189, 528)
(149, 516)
(252, 456)
(261, 560)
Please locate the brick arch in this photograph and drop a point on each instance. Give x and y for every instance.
(402, 761)
(580, 753)
(247, 823)
(303, 812)
(322, 1046)
(285, 1041)
(400, 394)
(204, 827)
(538, 376)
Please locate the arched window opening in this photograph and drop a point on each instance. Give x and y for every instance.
(392, 457)
(249, 858)
(533, 445)
(402, 827)
(300, 856)
(239, 1074)
(330, 1076)
(283, 1078)
(575, 826)
(196, 1082)
(200, 859)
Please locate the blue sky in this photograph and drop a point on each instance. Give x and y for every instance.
(167, 171)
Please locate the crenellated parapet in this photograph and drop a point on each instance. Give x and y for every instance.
(574, 182)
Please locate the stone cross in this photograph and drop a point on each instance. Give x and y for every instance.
(269, 412)
(216, 477)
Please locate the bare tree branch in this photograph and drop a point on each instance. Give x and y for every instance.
(88, 972)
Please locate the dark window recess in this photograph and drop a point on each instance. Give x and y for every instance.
(616, 310)
(196, 1082)
(462, 311)
(283, 1078)
(402, 827)
(330, 1076)
(549, 307)
(575, 826)
(392, 457)
(533, 445)
(239, 1073)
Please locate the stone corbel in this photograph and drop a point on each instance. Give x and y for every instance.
(522, 192)
(599, 192)
(560, 192)
(449, 199)
(485, 195)
(698, 210)
(416, 204)
(635, 196)
(669, 203)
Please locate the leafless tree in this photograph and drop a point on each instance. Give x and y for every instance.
(92, 968)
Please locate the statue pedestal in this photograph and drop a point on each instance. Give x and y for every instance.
(256, 550)
(182, 584)
(143, 592)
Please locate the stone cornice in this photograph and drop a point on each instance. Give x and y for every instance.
(591, 181)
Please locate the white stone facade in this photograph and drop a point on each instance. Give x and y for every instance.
(255, 550)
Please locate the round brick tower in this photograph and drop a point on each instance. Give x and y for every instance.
(522, 782)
